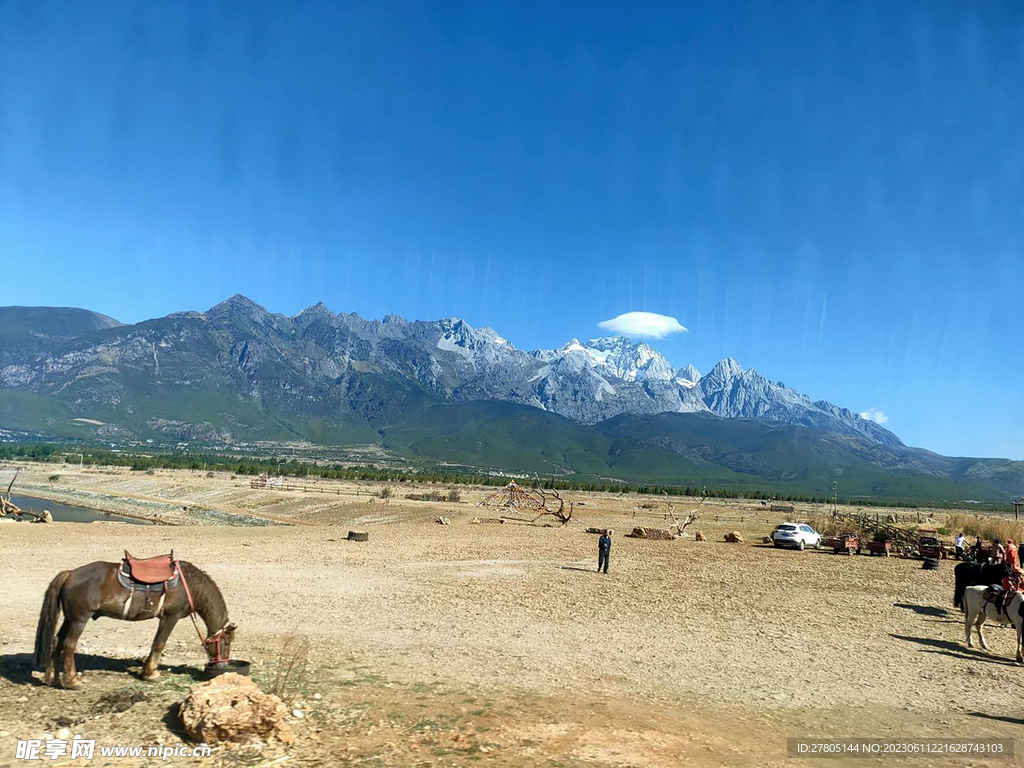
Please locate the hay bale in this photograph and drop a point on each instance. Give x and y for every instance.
(734, 537)
(358, 536)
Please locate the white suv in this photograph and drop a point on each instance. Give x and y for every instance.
(796, 535)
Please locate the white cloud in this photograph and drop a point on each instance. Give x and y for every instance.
(875, 415)
(647, 324)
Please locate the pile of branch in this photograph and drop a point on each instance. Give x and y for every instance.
(8, 507)
(546, 497)
(652, 534)
(514, 496)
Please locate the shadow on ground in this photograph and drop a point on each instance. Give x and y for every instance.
(1000, 718)
(17, 667)
(924, 610)
(955, 650)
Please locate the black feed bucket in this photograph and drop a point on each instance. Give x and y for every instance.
(237, 666)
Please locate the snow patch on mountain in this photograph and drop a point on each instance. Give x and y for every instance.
(450, 344)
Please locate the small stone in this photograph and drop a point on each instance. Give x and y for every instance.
(63, 734)
(317, 696)
(22, 699)
(298, 713)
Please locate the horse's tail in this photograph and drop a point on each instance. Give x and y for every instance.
(960, 575)
(48, 615)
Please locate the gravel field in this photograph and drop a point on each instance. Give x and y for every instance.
(498, 644)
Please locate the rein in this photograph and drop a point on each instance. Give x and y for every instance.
(217, 638)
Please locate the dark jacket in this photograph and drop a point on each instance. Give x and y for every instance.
(604, 544)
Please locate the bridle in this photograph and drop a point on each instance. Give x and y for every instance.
(216, 640)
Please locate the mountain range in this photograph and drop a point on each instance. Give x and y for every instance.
(445, 391)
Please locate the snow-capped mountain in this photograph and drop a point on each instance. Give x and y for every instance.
(733, 392)
(321, 365)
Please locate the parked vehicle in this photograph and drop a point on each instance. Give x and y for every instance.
(928, 543)
(880, 545)
(846, 544)
(799, 535)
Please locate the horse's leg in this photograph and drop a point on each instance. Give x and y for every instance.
(981, 635)
(73, 632)
(149, 669)
(1019, 627)
(50, 675)
(969, 618)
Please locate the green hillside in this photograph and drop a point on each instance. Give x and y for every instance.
(683, 449)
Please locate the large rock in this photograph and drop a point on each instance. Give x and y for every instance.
(232, 708)
(734, 537)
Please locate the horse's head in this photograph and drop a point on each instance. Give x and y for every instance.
(218, 645)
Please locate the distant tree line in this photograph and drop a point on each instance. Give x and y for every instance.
(142, 462)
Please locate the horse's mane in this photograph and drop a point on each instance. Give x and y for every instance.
(206, 594)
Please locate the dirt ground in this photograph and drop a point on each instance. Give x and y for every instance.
(498, 644)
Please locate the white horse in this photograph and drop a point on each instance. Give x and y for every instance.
(977, 609)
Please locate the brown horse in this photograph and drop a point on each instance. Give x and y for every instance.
(92, 591)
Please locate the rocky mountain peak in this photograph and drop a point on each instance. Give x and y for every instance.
(237, 306)
(317, 310)
(726, 368)
(231, 344)
(688, 376)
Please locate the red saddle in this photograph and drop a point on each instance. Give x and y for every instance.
(153, 570)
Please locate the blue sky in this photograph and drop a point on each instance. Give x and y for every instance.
(829, 192)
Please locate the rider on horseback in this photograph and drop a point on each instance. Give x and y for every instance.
(1013, 580)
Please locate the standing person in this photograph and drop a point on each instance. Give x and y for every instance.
(976, 550)
(604, 550)
(998, 551)
(958, 544)
(1012, 555)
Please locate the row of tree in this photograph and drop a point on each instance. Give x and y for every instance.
(305, 469)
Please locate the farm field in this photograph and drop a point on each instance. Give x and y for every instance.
(498, 644)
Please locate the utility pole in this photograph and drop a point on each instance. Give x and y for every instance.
(1017, 504)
